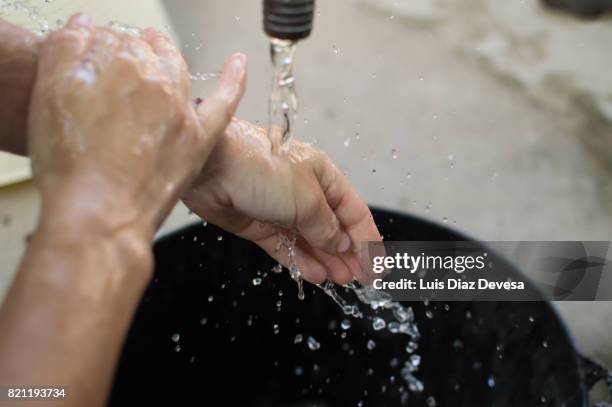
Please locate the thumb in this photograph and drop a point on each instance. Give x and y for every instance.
(217, 111)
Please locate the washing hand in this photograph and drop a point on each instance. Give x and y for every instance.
(250, 191)
(113, 134)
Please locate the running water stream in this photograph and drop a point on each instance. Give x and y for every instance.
(383, 312)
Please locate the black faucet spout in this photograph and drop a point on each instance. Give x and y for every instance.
(288, 19)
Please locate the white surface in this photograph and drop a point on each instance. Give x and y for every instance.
(13, 169)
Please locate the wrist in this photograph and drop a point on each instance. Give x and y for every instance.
(91, 206)
(79, 220)
(125, 253)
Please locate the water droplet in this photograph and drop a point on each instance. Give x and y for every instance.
(276, 329)
(545, 344)
(313, 344)
(219, 238)
(176, 337)
(411, 347)
(347, 142)
(431, 401)
(457, 344)
(237, 18)
(298, 371)
(257, 281)
(203, 321)
(491, 382)
(345, 324)
(277, 269)
(531, 319)
(371, 344)
(429, 314)
(378, 323)
(394, 154)
(335, 50)
(177, 348)
(415, 361)
(298, 338)
(211, 298)
(393, 327)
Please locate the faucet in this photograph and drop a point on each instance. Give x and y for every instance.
(289, 20)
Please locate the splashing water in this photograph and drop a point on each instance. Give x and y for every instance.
(287, 240)
(401, 321)
(283, 107)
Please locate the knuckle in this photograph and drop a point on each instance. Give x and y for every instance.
(330, 231)
(61, 37)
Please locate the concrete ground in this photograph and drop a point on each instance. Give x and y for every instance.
(416, 122)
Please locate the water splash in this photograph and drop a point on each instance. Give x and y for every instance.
(203, 76)
(400, 321)
(287, 240)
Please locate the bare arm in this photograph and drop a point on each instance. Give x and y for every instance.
(18, 59)
(115, 141)
(65, 317)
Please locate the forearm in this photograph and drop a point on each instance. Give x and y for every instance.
(66, 315)
(18, 60)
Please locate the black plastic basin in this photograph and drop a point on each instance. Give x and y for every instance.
(230, 354)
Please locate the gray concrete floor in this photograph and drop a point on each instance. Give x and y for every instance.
(471, 149)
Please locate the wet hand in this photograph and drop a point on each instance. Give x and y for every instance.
(113, 134)
(254, 193)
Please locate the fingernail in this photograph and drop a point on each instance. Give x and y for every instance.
(237, 65)
(80, 20)
(345, 243)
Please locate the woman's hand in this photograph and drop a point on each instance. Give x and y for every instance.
(113, 134)
(114, 141)
(250, 191)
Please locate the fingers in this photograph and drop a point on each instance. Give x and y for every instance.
(320, 226)
(353, 214)
(351, 210)
(312, 270)
(63, 49)
(171, 62)
(103, 48)
(338, 269)
(217, 111)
